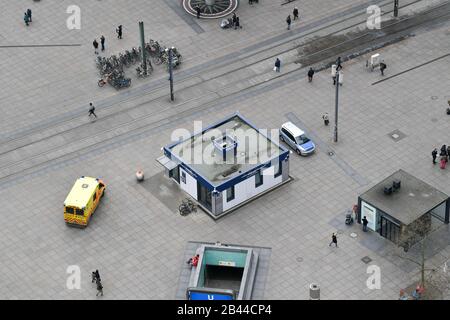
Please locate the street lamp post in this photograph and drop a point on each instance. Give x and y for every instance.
(171, 73)
(144, 58)
(336, 110)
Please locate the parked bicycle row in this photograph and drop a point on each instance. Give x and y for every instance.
(114, 65)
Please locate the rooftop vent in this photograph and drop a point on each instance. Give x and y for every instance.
(227, 147)
(388, 190)
(396, 184)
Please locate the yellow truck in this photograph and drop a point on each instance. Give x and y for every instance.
(82, 200)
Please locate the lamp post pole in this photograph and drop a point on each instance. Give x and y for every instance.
(336, 110)
(396, 8)
(171, 74)
(144, 58)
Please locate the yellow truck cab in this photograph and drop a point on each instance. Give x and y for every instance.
(82, 200)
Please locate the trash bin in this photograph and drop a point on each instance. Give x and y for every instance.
(314, 292)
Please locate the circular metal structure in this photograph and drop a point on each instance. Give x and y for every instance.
(210, 9)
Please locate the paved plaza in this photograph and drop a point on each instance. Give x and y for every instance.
(136, 238)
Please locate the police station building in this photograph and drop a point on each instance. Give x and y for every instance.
(226, 164)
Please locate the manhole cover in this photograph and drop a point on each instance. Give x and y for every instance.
(210, 9)
(396, 135)
(299, 259)
(434, 97)
(366, 259)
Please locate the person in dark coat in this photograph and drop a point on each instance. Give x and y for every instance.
(365, 223)
(26, 19)
(288, 21)
(238, 24)
(382, 67)
(102, 41)
(94, 276)
(310, 74)
(325, 118)
(448, 152)
(277, 65)
(295, 13)
(97, 275)
(95, 44)
(434, 155)
(333, 240)
(199, 11)
(119, 32)
(99, 288)
(338, 64)
(29, 15)
(234, 18)
(443, 150)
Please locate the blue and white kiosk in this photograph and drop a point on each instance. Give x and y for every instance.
(227, 164)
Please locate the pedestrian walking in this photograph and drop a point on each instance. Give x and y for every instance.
(295, 13)
(92, 110)
(443, 162)
(443, 150)
(365, 223)
(382, 67)
(94, 276)
(119, 32)
(333, 240)
(234, 18)
(325, 118)
(102, 41)
(338, 64)
(238, 24)
(97, 275)
(448, 151)
(26, 19)
(99, 288)
(434, 155)
(199, 11)
(288, 21)
(277, 67)
(29, 15)
(310, 74)
(95, 44)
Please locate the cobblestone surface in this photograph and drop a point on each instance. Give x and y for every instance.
(135, 223)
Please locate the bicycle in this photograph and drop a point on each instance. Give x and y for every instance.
(187, 206)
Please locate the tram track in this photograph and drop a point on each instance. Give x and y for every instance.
(153, 120)
(185, 79)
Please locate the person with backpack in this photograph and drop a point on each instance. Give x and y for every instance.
(119, 32)
(333, 240)
(29, 15)
(325, 118)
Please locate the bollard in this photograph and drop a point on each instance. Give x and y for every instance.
(314, 292)
(140, 175)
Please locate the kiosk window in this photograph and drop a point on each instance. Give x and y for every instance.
(258, 179)
(230, 194)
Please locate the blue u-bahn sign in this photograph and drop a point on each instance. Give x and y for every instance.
(202, 294)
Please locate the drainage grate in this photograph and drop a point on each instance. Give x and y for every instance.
(397, 135)
(366, 259)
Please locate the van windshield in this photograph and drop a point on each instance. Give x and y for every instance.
(79, 212)
(302, 139)
(69, 210)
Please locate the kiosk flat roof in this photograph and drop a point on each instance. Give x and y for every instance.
(253, 149)
(414, 198)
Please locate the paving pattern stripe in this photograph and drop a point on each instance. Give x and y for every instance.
(324, 147)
